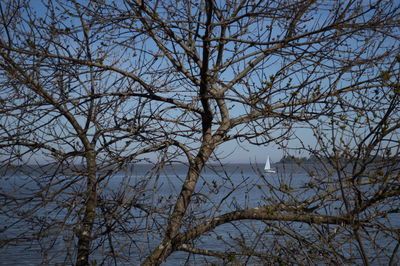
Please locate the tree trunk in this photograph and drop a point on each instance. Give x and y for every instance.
(159, 254)
(86, 226)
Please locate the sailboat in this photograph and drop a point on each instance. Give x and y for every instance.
(267, 167)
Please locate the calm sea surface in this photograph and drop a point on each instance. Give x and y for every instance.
(225, 189)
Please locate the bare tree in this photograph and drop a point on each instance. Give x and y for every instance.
(92, 86)
(65, 109)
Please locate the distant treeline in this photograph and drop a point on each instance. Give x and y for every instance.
(289, 159)
(293, 159)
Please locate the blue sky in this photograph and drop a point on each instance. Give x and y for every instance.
(244, 152)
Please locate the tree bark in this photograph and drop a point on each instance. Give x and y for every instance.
(86, 226)
(168, 246)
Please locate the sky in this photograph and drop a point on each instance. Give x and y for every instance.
(244, 152)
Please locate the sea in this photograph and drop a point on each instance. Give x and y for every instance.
(221, 189)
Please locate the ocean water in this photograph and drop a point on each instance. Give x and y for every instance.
(219, 190)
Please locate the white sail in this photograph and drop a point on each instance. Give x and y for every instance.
(267, 167)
